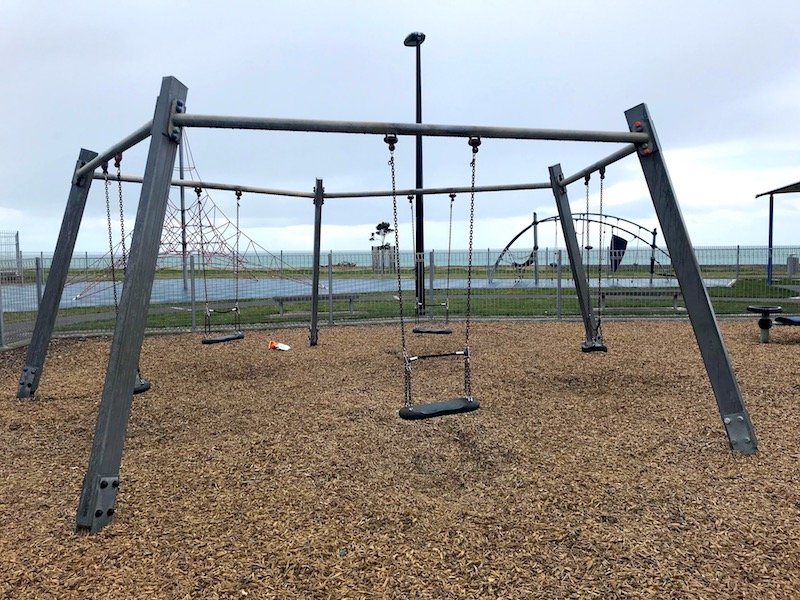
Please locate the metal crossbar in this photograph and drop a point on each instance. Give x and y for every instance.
(425, 129)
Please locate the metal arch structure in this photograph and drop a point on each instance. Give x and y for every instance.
(577, 217)
(101, 481)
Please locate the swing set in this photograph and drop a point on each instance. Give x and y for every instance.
(460, 404)
(101, 482)
(237, 333)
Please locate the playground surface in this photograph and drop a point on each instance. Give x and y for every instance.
(268, 474)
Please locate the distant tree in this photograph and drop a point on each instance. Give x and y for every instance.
(381, 231)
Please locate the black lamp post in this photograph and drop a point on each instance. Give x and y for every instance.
(414, 40)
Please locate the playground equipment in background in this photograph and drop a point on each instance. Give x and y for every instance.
(766, 321)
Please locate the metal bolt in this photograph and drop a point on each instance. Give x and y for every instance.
(747, 440)
(103, 484)
(727, 420)
(110, 512)
(740, 418)
(98, 513)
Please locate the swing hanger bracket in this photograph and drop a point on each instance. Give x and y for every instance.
(643, 126)
(174, 131)
(391, 140)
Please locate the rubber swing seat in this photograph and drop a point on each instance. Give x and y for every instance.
(432, 330)
(220, 339)
(141, 385)
(593, 347)
(439, 409)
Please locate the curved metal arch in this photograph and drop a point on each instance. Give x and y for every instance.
(587, 217)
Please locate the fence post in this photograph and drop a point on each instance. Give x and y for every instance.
(20, 271)
(535, 251)
(192, 292)
(2, 321)
(431, 281)
(558, 284)
(330, 287)
(737, 262)
(488, 265)
(38, 263)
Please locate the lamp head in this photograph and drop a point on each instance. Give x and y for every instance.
(414, 39)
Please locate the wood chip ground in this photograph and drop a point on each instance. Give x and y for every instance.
(267, 474)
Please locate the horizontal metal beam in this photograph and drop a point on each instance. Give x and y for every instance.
(600, 164)
(129, 142)
(444, 190)
(210, 185)
(424, 129)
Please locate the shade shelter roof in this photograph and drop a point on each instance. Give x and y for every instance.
(787, 189)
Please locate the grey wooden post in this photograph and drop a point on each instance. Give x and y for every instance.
(99, 492)
(48, 307)
(575, 259)
(731, 407)
(319, 200)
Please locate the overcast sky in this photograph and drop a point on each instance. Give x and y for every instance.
(721, 80)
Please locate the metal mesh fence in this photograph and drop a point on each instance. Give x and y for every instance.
(276, 289)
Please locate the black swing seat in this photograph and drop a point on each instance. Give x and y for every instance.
(220, 339)
(593, 347)
(439, 409)
(432, 330)
(141, 385)
(788, 320)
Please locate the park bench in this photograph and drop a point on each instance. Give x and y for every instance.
(323, 297)
(644, 293)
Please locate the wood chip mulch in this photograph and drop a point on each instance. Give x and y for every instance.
(268, 474)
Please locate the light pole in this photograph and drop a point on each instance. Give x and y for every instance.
(414, 40)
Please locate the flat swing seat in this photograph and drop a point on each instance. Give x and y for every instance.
(220, 339)
(432, 330)
(439, 409)
(141, 385)
(788, 320)
(593, 347)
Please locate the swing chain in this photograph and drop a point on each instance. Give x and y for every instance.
(391, 140)
(474, 142)
(598, 330)
(107, 183)
(449, 250)
(586, 239)
(413, 227)
(207, 317)
(236, 259)
(123, 248)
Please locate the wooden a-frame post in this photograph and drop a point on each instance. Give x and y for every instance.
(98, 496)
